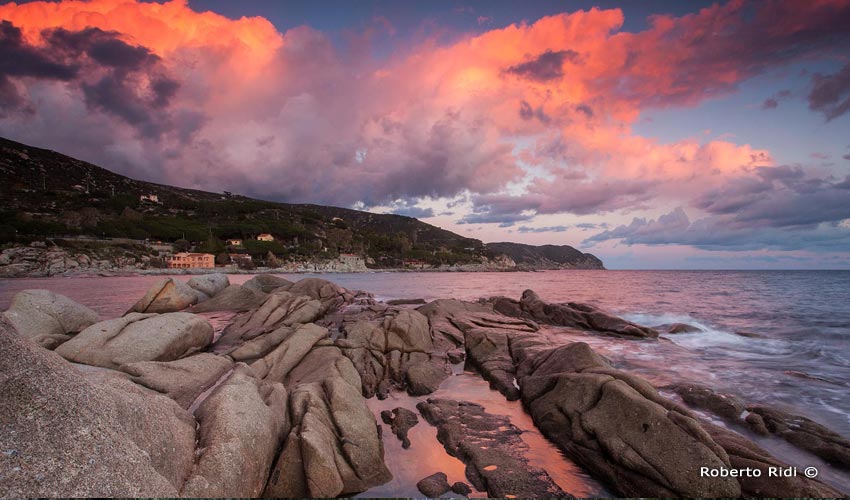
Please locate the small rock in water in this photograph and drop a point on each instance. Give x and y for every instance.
(675, 328)
(456, 356)
(724, 405)
(404, 302)
(400, 420)
(750, 335)
(461, 488)
(434, 485)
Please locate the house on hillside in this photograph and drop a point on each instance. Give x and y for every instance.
(414, 264)
(236, 242)
(187, 260)
(149, 197)
(265, 237)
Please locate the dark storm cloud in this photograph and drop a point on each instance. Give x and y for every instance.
(109, 72)
(546, 66)
(830, 94)
(19, 59)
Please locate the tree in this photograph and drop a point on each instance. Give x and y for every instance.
(212, 245)
(182, 245)
(272, 260)
(222, 259)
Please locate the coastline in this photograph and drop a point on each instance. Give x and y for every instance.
(449, 366)
(207, 271)
(44, 262)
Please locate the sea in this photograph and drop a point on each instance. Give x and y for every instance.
(773, 337)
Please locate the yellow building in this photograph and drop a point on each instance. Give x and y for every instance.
(185, 260)
(265, 237)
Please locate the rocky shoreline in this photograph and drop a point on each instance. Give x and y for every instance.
(42, 261)
(208, 389)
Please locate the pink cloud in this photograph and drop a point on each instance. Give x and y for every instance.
(287, 116)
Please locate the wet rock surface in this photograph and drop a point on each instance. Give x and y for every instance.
(461, 488)
(675, 328)
(490, 447)
(724, 405)
(743, 453)
(806, 434)
(572, 314)
(400, 420)
(434, 485)
(618, 427)
(800, 431)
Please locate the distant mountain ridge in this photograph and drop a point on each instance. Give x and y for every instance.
(48, 194)
(545, 256)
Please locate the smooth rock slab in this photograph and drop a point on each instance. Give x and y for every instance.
(46, 317)
(167, 295)
(138, 337)
(232, 298)
(64, 436)
(182, 380)
(267, 283)
(426, 377)
(276, 365)
(242, 423)
(334, 447)
(209, 284)
(618, 427)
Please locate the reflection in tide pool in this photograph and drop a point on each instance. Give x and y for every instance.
(426, 455)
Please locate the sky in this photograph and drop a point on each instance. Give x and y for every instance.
(659, 135)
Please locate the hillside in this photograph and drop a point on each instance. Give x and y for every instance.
(49, 195)
(545, 256)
